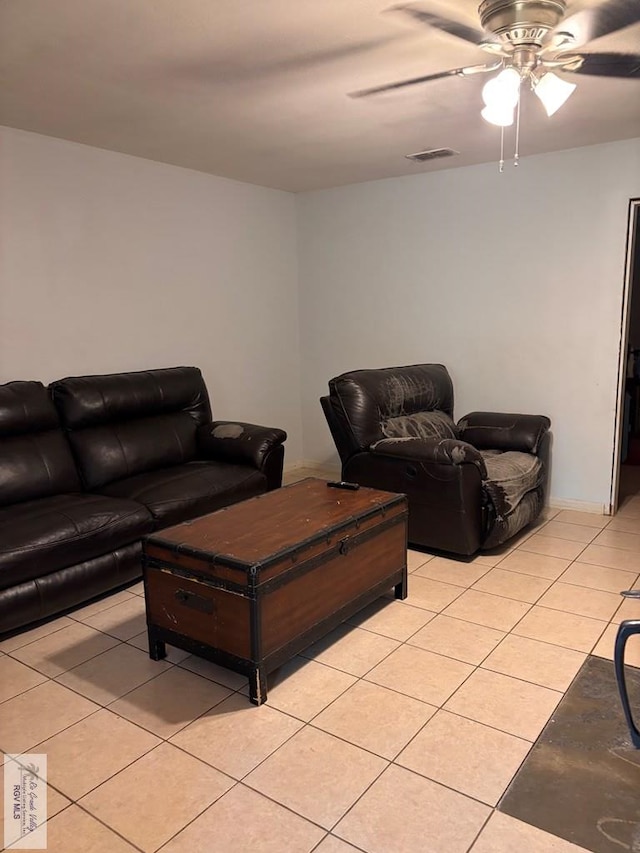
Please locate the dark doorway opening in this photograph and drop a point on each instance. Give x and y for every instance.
(629, 410)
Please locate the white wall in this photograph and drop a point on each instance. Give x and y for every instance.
(513, 281)
(110, 263)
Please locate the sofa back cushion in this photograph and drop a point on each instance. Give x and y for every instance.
(35, 457)
(369, 399)
(433, 425)
(124, 424)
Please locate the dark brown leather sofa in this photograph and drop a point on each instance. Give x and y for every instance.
(93, 463)
(470, 485)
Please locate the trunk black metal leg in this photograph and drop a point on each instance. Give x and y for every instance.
(157, 648)
(400, 589)
(258, 686)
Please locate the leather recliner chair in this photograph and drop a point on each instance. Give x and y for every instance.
(470, 485)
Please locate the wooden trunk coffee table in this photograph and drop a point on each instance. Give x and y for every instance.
(252, 585)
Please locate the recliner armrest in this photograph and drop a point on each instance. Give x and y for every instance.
(233, 441)
(504, 431)
(445, 451)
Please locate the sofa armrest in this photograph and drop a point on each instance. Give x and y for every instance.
(447, 451)
(504, 431)
(233, 441)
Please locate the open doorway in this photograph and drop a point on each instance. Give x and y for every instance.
(626, 460)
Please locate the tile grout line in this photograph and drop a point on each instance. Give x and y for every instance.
(310, 722)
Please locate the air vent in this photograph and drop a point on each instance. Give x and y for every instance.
(431, 154)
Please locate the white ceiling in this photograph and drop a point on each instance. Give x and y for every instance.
(257, 90)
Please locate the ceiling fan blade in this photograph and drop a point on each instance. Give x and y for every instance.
(454, 28)
(222, 69)
(597, 21)
(468, 71)
(609, 65)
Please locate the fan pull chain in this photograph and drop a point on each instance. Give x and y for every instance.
(502, 149)
(516, 153)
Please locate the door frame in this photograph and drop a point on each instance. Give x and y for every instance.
(633, 236)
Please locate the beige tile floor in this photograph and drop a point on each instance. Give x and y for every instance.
(396, 734)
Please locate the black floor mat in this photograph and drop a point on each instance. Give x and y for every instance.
(581, 780)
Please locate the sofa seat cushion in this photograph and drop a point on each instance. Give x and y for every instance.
(181, 492)
(510, 476)
(41, 536)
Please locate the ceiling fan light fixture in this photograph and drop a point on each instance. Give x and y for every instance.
(501, 95)
(502, 92)
(553, 92)
(498, 115)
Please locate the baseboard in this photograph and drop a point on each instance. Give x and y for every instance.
(579, 506)
(311, 465)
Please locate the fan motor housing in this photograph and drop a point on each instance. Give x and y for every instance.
(521, 22)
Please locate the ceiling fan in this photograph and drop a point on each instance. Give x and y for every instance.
(530, 40)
